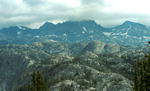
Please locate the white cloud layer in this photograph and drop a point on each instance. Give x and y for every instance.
(106, 12)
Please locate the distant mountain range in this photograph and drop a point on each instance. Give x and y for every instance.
(128, 33)
(73, 56)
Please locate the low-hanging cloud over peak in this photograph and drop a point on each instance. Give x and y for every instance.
(107, 12)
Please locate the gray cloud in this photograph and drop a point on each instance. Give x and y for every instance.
(100, 2)
(33, 2)
(34, 12)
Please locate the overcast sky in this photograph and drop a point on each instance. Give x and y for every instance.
(33, 13)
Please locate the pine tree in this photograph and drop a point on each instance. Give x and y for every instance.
(38, 82)
(142, 75)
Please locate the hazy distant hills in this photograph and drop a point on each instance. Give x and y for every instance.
(128, 33)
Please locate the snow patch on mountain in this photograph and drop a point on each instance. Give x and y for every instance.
(84, 28)
(37, 36)
(91, 36)
(21, 28)
(18, 33)
(64, 34)
(83, 32)
(91, 31)
(53, 40)
(146, 37)
(53, 35)
(107, 33)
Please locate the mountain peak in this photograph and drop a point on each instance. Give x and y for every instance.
(135, 24)
(47, 25)
(129, 22)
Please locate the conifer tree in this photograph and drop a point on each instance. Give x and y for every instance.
(142, 75)
(38, 82)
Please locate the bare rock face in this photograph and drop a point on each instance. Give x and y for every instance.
(95, 47)
(98, 47)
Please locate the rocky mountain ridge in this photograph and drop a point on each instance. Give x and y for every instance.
(129, 33)
(72, 56)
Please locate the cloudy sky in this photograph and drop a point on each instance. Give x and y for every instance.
(33, 13)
